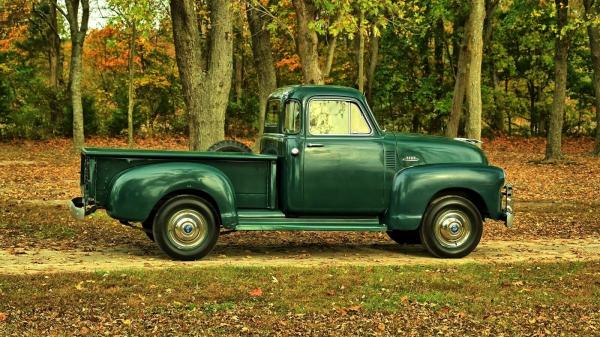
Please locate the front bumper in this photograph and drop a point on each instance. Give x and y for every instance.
(507, 209)
(78, 209)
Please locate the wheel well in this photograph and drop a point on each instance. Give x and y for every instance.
(148, 222)
(468, 194)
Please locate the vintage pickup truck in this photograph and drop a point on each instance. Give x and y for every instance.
(324, 165)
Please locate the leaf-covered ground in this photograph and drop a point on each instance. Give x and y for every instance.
(552, 200)
(484, 300)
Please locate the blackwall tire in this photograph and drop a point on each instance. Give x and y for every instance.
(452, 227)
(186, 227)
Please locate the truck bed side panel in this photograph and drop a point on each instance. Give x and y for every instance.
(252, 176)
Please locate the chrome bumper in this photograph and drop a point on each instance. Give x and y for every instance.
(78, 209)
(507, 210)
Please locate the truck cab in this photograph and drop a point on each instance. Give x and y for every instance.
(324, 164)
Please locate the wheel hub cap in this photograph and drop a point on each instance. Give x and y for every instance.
(452, 228)
(187, 229)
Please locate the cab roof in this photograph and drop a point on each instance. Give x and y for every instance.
(302, 91)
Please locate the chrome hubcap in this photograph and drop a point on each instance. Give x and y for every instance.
(452, 228)
(187, 229)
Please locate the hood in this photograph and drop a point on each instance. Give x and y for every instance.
(416, 149)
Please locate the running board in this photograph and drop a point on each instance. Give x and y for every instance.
(310, 224)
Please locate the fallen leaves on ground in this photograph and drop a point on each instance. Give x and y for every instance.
(256, 292)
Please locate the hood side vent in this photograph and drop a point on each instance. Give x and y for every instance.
(390, 159)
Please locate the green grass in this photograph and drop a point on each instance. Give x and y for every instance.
(515, 295)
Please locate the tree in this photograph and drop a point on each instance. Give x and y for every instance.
(205, 89)
(373, 56)
(562, 42)
(78, 30)
(488, 42)
(361, 52)
(592, 11)
(138, 17)
(468, 75)
(307, 41)
(473, 88)
(52, 44)
(263, 59)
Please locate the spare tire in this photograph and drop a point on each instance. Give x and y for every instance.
(229, 146)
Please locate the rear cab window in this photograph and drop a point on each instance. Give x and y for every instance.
(291, 122)
(272, 116)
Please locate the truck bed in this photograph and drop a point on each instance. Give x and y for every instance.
(253, 176)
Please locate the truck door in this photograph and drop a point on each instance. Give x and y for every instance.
(343, 164)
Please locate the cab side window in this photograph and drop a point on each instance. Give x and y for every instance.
(272, 114)
(291, 123)
(333, 117)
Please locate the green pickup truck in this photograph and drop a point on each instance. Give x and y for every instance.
(324, 165)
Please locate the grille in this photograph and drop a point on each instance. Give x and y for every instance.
(390, 159)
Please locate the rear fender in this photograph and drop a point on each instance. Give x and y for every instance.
(137, 191)
(414, 188)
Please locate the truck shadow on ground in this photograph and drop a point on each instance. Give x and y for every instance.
(295, 251)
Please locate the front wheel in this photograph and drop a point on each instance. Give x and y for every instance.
(452, 227)
(186, 227)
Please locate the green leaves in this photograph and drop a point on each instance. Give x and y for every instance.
(145, 15)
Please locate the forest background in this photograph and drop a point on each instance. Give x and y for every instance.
(204, 68)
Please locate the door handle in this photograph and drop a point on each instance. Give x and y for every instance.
(314, 145)
(295, 151)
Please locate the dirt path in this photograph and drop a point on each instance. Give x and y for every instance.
(48, 261)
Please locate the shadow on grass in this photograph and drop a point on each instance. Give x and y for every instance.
(286, 251)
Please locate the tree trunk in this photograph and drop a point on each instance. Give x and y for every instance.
(130, 84)
(473, 90)
(534, 120)
(373, 56)
(360, 79)
(78, 32)
(206, 92)
(307, 42)
(593, 10)
(263, 61)
(54, 47)
(553, 146)
(490, 10)
(458, 96)
(438, 54)
(508, 111)
(238, 64)
(239, 77)
(54, 63)
(330, 55)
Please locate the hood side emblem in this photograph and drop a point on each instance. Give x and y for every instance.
(410, 158)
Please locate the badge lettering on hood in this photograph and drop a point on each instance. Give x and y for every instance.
(410, 158)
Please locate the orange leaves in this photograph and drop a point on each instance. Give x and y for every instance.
(15, 34)
(257, 292)
(106, 48)
(3, 316)
(292, 62)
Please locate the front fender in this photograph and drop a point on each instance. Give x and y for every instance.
(414, 188)
(135, 192)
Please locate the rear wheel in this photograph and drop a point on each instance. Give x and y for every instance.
(186, 227)
(452, 227)
(229, 146)
(405, 237)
